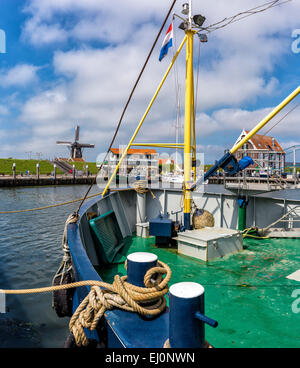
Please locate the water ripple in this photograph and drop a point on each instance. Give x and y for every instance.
(30, 255)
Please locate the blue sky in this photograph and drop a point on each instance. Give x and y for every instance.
(71, 62)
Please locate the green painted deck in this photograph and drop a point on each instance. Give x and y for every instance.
(247, 292)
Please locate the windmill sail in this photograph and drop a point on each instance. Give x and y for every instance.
(76, 147)
(77, 129)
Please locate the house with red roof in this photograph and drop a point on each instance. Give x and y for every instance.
(134, 153)
(139, 162)
(265, 151)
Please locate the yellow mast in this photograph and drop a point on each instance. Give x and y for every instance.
(194, 134)
(189, 118)
(189, 93)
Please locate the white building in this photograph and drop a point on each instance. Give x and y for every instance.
(139, 162)
(266, 152)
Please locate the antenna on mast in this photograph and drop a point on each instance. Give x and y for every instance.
(195, 21)
(190, 15)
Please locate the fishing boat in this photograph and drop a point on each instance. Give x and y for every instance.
(150, 276)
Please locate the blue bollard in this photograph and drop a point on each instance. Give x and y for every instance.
(187, 319)
(137, 265)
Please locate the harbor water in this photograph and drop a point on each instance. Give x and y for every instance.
(30, 255)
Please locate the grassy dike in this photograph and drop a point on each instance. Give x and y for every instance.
(46, 167)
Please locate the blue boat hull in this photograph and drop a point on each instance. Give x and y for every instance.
(115, 329)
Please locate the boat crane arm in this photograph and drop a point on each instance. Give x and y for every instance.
(228, 161)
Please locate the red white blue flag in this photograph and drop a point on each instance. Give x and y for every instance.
(167, 43)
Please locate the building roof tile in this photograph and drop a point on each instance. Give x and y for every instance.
(265, 142)
(133, 151)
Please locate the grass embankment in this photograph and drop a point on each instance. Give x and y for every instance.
(46, 167)
(82, 167)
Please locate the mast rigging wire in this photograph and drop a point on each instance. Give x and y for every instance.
(127, 103)
(279, 121)
(247, 13)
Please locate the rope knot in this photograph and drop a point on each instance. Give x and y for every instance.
(148, 300)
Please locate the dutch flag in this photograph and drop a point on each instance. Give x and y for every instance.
(167, 43)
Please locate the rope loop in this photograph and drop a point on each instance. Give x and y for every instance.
(148, 300)
(141, 187)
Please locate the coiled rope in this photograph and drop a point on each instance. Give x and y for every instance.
(253, 229)
(140, 186)
(65, 266)
(120, 294)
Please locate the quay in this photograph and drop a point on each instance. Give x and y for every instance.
(266, 184)
(21, 181)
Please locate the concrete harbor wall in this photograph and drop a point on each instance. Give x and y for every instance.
(21, 181)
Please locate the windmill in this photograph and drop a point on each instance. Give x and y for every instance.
(76, 147)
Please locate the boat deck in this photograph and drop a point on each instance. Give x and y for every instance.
(247, 292)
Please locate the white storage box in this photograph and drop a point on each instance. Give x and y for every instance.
(210, 242)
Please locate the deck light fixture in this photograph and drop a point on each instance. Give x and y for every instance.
(185, 9)
(183, 26)
(198, 19)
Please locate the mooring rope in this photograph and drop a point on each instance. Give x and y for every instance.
(58, 204)
(65, 266)
(49, 206)
(120, 294)
(246, 234)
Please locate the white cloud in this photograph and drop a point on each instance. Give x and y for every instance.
(43, 34)
(210, 151)
(18, 76)
(89, 19)
(237, 68)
